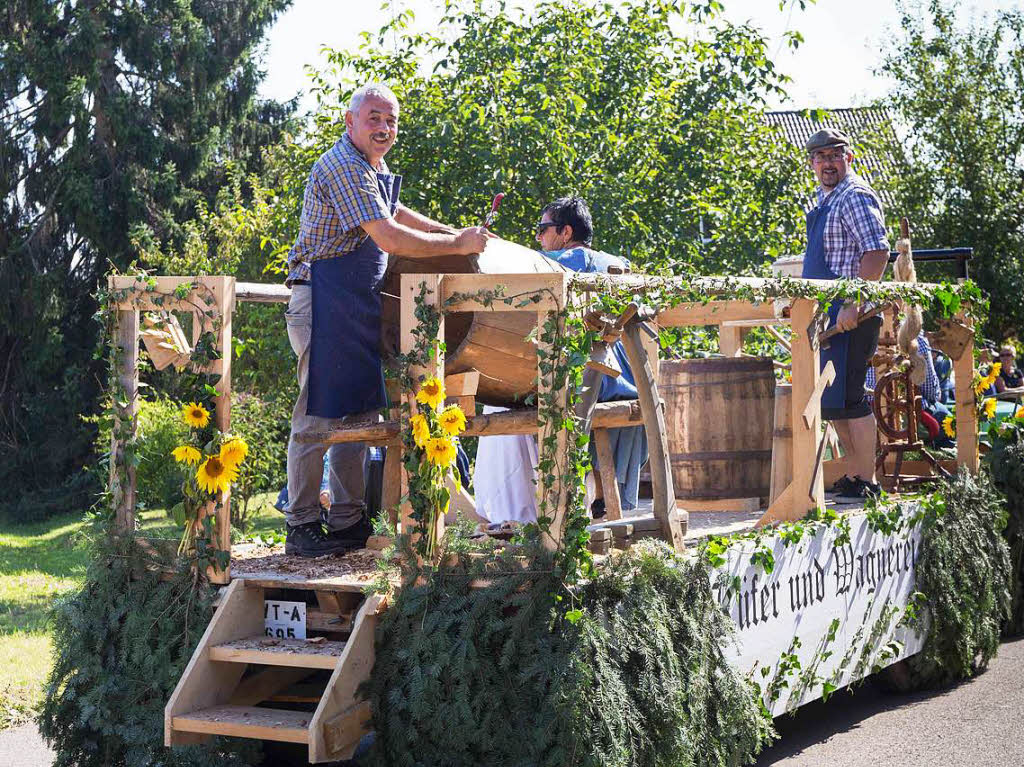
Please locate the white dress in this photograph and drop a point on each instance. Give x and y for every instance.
(503, 478)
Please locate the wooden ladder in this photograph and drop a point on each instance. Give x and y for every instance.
(241, 684)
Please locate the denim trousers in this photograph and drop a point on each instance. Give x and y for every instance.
(346, 474)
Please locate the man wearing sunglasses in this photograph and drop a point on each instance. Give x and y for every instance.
(846, 239)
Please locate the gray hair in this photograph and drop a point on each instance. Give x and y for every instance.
(371, 89)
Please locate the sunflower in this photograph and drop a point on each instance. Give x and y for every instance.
(195, 415)
(948, 426)
(990, 407)
(441, 451)
(453, 420)
(420, 430)
(187, 454)
(431, 393)
(1020, 413)
(214, 475)
(234, 451)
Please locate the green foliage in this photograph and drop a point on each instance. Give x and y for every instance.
(637, 676)
(964, 572)
(660, 130)
(158, 476)
(1006, 463)
(116, 117)
(264, 424)
(121, 644)
(957, 91)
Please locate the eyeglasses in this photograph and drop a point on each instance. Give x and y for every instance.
(544, 225)
(833, 156)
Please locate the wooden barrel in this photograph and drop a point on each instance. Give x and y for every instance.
(493, 343)
(719, 414)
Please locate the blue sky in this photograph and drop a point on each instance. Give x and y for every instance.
(833, 68)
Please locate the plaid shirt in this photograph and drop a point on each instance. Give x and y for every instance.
(854, 226)
(341, 194)
(930, 389)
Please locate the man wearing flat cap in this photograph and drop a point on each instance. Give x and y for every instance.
(845, 240)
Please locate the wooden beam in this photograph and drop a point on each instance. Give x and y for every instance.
(730, 340)
(806, 373)
(158, 293)
(609, 483)
(265, 683)
(966, 404)
(411, 286)
(715, 313)
(812, 410)
(126, 409)
(391, 493)
(653, 411)
(520, 286)
(262, 293)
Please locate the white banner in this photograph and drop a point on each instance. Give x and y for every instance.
(830, 611)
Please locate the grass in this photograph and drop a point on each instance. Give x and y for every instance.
(40, 562)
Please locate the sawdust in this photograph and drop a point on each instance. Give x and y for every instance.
(260, 559)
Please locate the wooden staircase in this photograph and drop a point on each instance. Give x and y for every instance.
(242, 684)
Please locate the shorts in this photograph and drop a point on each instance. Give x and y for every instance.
(861, 348)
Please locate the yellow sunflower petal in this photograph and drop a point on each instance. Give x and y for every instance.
(186, 454)
(214, 476)
(990, 408)
(431, 393)
(195, 415)
(441, 451)
(234, 451)
(420, 430)
(453, 420)
(948, 426)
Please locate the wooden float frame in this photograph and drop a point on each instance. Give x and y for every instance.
(732, 317)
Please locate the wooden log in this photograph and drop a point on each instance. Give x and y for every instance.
(126, 408)
(263, 293)
(609, 483)
(715, 313)
(657, 442)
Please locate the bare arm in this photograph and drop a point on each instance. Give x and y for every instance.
(873, 263)
(395, 237)
(413, 220)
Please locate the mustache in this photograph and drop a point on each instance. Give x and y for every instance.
(381, 136)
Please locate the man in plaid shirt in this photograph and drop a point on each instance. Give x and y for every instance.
(351, 220)
(846, 239)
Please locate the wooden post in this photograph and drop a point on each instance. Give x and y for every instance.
(966, 405)
(552, 503)
(808, 485)
(410, 290)
(782, 442)
(609, 482)
(730, 340)
(224, 294)
(122, 486)
(653, 411)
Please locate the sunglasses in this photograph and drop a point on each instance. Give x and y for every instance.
(544, 225)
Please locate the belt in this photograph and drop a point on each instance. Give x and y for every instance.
(299, 282)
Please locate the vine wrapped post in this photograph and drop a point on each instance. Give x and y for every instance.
(966, 403)
(126, 407)
(552, 412)
(411, 285)
(224, 294)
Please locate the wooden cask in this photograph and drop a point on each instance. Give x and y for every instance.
(493, 343)
(719, 414)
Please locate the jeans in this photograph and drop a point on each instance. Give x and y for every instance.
(346, 462)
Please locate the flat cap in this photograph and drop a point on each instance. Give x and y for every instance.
(825, 138)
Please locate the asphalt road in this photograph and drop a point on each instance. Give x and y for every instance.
(976, 724)
(979, 723)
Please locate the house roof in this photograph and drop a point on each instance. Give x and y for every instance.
(864, 125)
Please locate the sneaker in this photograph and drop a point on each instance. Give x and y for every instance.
(842, 485)
(310, 540)
(859, 492)
(353, 537)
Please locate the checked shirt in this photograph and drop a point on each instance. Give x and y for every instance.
(341, 194)
(855, 225)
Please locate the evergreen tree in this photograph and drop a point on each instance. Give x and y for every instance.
(117, 121)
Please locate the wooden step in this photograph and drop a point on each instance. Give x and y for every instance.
(247, 722)
(298, 653)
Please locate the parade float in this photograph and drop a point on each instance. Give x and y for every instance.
(674, 634)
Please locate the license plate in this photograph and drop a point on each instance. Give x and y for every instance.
(284, 620)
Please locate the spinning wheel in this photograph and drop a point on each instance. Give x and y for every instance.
(896, 405)
(896, 408)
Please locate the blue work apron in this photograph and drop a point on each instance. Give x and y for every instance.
(817, 268)
(345, 372)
